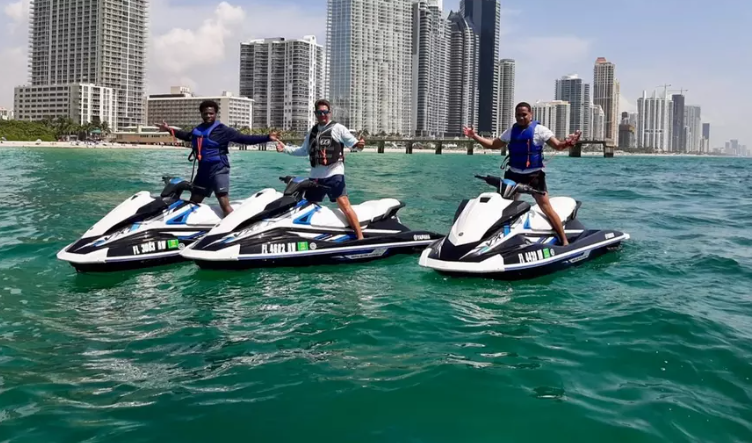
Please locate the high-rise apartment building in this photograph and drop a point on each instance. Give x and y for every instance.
(554, 115)
(606, 94)
(655, 122)
(626, 132)
(485, 16)
(597, 123)
(463, 74)
(678, 133)
(706, 137)
(81, 102)
(693, 127)
(504, 95)
(284, 78)
(572, 89)
(369, 53)
(90, 42)
(430, 69)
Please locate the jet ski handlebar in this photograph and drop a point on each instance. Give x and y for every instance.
(508, 187)
(174, 186)
(290, 180)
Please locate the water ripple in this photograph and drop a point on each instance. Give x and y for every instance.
(651, 343)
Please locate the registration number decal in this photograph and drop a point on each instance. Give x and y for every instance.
(534, 256)
(156, 246)
(284, 248)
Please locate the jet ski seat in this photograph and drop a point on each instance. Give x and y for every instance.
(372, 211)
(564, 206)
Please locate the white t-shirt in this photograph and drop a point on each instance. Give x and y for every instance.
(541, 136)
(339, 133)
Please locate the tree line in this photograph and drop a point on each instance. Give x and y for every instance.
(50, 129)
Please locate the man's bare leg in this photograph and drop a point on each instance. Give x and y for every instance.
(344, 204)
(553, 217)
(196, 197)
(224, 203)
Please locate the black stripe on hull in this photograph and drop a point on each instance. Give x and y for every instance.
(537, 271)
(332, 257)
(127, 265)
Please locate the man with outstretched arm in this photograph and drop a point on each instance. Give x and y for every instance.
(524, 142)
(210, 144)
(324, 145)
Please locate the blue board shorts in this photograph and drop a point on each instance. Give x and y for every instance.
(216, 180)
(336, 188)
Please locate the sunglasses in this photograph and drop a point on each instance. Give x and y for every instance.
(317, 112)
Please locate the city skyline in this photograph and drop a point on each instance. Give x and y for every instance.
(216, 28)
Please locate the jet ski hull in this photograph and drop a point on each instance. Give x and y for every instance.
(297, 251)
(145, 250)
(528, 262)
(284, 229)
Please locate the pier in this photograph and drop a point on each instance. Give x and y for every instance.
(468, 146)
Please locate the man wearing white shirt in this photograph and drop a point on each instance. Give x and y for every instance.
(324, 145)
(525, 141)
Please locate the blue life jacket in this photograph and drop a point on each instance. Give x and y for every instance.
(206, 149)
(523, 153)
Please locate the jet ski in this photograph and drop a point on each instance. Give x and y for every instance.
(143, 231)
(495, 235)
(275, 228)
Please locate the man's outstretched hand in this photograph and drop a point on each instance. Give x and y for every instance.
(468, 131)
(163, 126)
(572, 139)
(280, 146)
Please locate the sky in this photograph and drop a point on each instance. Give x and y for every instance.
(700, 46)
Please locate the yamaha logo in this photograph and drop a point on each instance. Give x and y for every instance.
(312, 246)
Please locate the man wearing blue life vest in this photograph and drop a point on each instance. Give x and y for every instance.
(210, 145)
(524, 142)
(324, 145)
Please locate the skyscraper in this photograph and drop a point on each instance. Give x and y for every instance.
(655, 122)
(606, 94)
(504, 95)
(430, 69)
(100, 44)
(485, 16)
(368, 48)
(572, 89)
(626, 132)
(693, 125)
(554, 115)
(597, 123)
(463, 75)
(284, 78)
(706, 137)
(678, 136)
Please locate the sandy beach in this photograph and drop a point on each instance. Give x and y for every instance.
(270, 147)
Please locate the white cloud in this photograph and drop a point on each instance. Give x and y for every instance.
(205, 53)
(626, 105)
(17, 11)
(180, 50)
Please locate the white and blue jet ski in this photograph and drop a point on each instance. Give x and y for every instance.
(143, 231)
(275, 228)
(494, 235)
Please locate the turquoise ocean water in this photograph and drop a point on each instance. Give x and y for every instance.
(652, 343)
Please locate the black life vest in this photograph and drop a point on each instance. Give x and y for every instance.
(323, 149)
